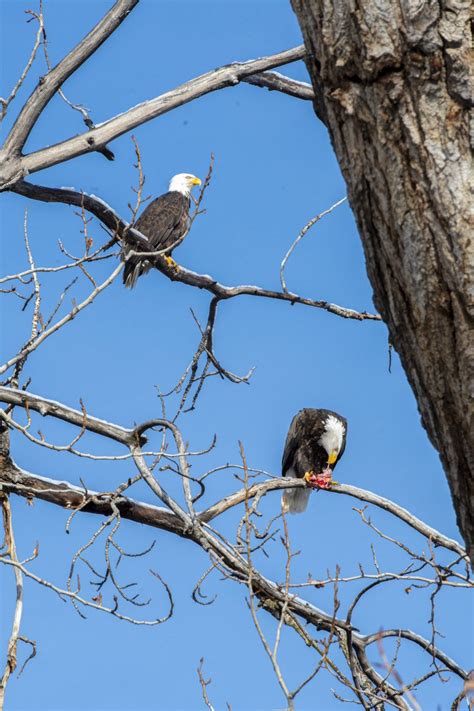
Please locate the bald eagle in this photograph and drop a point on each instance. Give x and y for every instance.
(314, 444)
(165, 222)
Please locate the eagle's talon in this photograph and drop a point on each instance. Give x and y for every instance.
(171, 263)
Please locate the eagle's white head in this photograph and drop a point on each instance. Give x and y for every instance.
(332, 437)
(183, 183)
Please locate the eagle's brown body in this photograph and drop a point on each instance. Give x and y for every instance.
(165, 222)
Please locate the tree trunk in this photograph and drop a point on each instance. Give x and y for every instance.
(391, 81)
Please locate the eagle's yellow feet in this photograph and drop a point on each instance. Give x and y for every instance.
(323, 480)
(171, 263)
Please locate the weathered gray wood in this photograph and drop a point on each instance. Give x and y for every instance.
(391, 81)
(274, 81)
(52, 408)
(10, 155)
(14, 167)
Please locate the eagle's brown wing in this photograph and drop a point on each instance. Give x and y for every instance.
(165, 220)
(294, 500)
(293, 439)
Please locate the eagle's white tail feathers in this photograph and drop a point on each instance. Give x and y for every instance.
(131, 278)
(132, 272)
(295, 500)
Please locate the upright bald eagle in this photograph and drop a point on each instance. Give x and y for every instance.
(165, 222)
(314, 444)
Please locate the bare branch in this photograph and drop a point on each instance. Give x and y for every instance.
(49, 84)
(102, 134)
(55, 409)
(127, 437)
(66, 495)
(69, 196)
(392, 670)
(37, 301)
(106, 152)
(204, 684)
(39, 34)
(10, 556)
(33, 344)
(305, 229)
(420, 642)
(362, 494)
(271, 653)
(73, 595)
(94, 257)
(274, 81)
(31, 656)
(70, 497)
(201, 281)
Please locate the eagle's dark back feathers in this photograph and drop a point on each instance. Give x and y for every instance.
(165, 222)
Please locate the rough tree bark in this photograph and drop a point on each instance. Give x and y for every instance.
(391, 81)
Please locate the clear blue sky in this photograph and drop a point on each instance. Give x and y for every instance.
(275, 169)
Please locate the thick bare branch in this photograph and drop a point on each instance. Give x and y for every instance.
(15, 480)
(128, 437)
(69, 196)
(362, 494)
(274, 81)
(96, 138)
(68, 496)
(55, 409)
(49, 84)
(421, 642)
(202, 281)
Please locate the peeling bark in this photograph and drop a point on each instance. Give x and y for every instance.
(391, 82)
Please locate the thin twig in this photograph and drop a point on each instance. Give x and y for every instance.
(305, 229)
(39, 36)
(10, 556)
(204, 684)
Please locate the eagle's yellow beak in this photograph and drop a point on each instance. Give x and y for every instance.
(332, 457)
(196, 181)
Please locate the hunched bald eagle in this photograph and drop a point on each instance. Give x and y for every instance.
(314, 444)
(165, 222)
